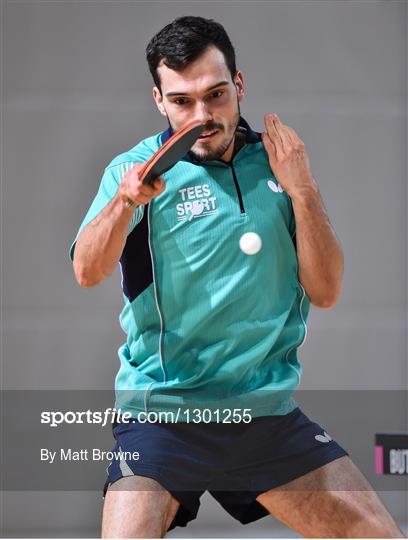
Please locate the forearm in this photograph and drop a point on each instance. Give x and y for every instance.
(320, 256)
(100, 244)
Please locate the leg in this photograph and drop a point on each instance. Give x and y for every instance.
(332, 501)
(137, 507)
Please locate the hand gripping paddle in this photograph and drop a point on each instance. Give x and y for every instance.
(171, 151)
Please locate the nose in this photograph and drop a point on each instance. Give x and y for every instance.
(202, 114)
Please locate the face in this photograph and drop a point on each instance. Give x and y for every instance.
(203, 91)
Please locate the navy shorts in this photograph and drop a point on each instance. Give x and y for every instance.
(234, 462)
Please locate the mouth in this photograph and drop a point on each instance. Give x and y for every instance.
(207, 136)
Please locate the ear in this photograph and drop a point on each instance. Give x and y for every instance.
(239, 84)
(159, 100)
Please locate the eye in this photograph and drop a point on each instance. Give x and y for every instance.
(183, 101)
(177, 101)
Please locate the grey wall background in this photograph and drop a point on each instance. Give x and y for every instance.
(77, 92)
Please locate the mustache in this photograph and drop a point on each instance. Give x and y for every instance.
(211, 127)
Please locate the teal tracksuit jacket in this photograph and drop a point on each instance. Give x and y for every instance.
(206, 325)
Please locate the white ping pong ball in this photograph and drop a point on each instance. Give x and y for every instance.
(250, 243)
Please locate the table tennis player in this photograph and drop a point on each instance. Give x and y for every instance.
(213, 330)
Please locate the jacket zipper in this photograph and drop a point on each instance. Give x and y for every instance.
(241, 203)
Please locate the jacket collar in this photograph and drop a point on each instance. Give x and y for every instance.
(252, 137)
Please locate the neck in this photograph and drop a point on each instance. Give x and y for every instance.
(236, 144)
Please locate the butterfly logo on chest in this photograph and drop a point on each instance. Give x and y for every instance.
(277, 188)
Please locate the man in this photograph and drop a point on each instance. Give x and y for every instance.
(213, 333)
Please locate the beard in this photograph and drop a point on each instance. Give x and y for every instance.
(205, 152)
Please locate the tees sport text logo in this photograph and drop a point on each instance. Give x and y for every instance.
(196, 201)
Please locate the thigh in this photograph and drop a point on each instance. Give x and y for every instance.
(335, 500)
(137, 507)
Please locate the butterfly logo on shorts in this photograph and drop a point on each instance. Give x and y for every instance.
(325, 438)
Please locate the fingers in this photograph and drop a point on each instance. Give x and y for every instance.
(269, 145)
(272, 127)
(280, 134)
(144, 193)
(297, 141)
(155, 185)
(153, 189)
(132, 187)
(141, 199)
(159, 184)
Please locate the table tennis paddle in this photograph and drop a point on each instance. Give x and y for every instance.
(171, 151)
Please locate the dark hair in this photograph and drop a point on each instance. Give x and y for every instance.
(183, 41)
